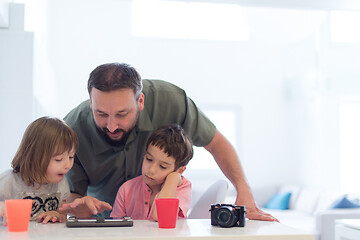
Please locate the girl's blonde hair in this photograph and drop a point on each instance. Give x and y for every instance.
(44, 138)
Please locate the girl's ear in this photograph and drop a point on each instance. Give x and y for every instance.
(181, 169)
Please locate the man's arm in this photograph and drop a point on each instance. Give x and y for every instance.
(229, 163)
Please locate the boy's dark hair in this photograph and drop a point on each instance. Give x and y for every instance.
(173, 140)
(113, 76)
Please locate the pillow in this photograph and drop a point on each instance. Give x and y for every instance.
(344, 203)
(279, 201)
(307, 200)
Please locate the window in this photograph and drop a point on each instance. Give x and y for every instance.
(349, 132)
(192, 20)
(226, 122)
(345, 26)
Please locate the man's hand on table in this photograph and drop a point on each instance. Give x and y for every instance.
(258, 214)
(253, 212)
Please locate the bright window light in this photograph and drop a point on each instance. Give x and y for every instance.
(159, 18)
(345, 26)
(189, 20)
(225, 121)
(349, 113)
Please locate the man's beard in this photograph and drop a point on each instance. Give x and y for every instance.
(103, 132)
(119, 142)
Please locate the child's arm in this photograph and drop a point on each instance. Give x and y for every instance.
(119, 210)
(168, 190)
(51, 216)
(3, 212)
(2, 209)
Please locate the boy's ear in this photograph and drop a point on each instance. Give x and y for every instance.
(181, 169)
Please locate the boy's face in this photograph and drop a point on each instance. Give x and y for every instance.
(156, 166)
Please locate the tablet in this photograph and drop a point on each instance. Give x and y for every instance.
(99, 222)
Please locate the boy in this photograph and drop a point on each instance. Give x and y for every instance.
(168, 151)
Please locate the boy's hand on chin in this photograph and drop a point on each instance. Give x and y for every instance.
(174, 176)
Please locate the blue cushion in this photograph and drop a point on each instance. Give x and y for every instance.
(344, 202)
(279, 201)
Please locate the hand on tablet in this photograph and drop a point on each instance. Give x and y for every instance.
(84, 207)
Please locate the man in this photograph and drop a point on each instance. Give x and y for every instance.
(114, 125)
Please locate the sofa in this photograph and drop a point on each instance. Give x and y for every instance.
(308, 209)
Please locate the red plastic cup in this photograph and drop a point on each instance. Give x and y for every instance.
(167, 212)
(18, 213)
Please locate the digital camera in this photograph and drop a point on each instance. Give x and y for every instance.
(227, 215)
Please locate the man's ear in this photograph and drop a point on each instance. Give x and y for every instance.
(141, 101)
(181, 169)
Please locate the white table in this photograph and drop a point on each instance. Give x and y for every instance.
(348, 229)
(143, 229)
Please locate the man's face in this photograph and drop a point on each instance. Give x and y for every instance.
(116, 112)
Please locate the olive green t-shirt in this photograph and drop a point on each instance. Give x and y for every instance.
(100, 169)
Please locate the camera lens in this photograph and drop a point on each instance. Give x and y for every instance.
(226, 216)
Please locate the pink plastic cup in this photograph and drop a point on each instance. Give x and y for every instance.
(18, 213)
(167, 211)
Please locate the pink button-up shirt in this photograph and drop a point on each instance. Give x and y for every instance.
(133, 199)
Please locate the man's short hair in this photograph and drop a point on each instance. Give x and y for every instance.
(112, 76)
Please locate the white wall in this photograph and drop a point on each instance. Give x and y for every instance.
(267, 77)
(4, 13)
(16, 88)
(282, 79)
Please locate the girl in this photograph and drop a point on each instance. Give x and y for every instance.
(45, 155)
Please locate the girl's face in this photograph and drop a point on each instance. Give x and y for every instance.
(156, 166)
(59, 165)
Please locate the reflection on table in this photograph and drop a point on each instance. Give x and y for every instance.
(144, 229)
